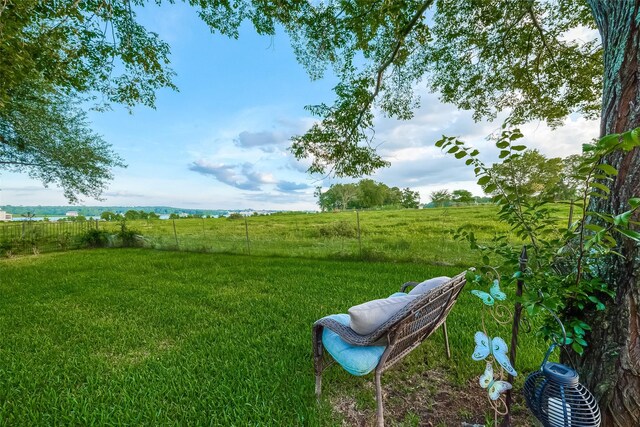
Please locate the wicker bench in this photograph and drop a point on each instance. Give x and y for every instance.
(403, 332)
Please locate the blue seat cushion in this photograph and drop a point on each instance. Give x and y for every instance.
(357, 360)
(398, 294)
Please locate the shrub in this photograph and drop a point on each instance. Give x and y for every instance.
(129, 238)
(7, 247)
(91, 239)
(235, 215)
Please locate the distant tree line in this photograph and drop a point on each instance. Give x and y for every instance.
(129, 215)
(366, 194)
(532, 172)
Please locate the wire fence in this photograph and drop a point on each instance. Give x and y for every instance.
(34, 237)
(421, 235)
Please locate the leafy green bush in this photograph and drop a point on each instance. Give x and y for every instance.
(129, 238)
(92, 239)
(235, 215)
(563, 273)
(7, 247)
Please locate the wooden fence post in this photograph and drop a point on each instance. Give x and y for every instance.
(175, 234)
(359, 237)
(517, 313)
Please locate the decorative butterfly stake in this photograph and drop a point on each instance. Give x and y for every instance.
(494, 390)
(493, 349)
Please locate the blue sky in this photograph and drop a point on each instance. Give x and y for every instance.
(222, 141)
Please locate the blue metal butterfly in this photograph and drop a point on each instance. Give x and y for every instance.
(493, 386)
(494, 293)
(486, 346)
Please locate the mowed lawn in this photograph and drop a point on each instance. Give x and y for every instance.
(137, 336)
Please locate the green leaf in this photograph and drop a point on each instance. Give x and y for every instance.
(600, 187)
(631, 234)
(503, 154)
(519, 147)
(594, 227)
(623, 218)
(634, 202)
(502, 144)
(453, 149)
(490, 188)
(628, 142)
(581, 341)
(484, 180)
(461, 154)
(608, 169)
(577, 348)
(593, 299)
(609, 141)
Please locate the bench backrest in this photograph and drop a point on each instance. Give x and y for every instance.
(419, 319)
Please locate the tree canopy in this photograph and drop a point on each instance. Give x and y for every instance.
(483, 56)
(366, 194)
(57, 57)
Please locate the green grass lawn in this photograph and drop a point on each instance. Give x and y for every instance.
(135, 336)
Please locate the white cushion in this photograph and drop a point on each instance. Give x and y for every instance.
(366, 318)
(428, 284)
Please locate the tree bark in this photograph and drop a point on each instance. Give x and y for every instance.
(610, 365)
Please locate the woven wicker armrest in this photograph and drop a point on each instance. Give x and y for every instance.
(404, 287)
(346, 333)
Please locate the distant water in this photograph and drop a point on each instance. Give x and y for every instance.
(56, 218)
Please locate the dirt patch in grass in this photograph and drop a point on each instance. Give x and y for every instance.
(427, 399)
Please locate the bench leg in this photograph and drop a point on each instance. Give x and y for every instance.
(318, 384)
(379, 410)
(317, 358)
(446, 339)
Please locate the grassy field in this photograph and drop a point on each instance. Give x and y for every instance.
(141, 337)
(398, 235)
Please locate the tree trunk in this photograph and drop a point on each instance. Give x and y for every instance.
(610, 366)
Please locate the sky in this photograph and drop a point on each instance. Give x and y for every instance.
(222, 141)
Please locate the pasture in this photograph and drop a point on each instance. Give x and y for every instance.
(143, 337)
(423, 235)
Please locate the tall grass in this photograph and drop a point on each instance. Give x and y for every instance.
(402, 235)
(133, 337)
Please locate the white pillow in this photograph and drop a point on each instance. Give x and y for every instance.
(428, 284)
(366, 318)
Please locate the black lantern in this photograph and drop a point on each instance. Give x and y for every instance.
(555, 396)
